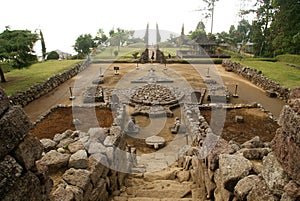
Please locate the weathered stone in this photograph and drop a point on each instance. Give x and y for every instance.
(77, 192)
(96, 147)
(29, 151)
(62, 194)
(109, 141)
(183, 175)
(4, 102)
(220, 192)
(79, 178)
(261, 192)
(292, 189)
(286, 197)
(58, 137)
(97, 134)
(256, 142)
(54, 160)
(48, 144)
(10, 171)
(244, 186)
(78, 160)
(96, 169)
(257, 166)
(75, 146)
(99, 192)
(64, 143)
(274, 175)
(232, 169)
(254, 153)
(110, 152)
(26, 188)
(100, 157)
(14, 124)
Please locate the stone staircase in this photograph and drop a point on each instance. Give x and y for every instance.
(170, 184)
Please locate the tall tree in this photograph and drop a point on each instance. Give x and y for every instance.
(209, 11)
(16, 46)
(285, 27)
(101, 37)
(44, 51)
(83, 44)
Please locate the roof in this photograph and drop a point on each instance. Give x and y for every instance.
(203, 40)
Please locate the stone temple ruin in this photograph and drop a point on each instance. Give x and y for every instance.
(100, 165)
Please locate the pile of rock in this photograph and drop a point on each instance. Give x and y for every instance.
(20, 177)
(255, 170)
(34, 92)
(93, 94)
(257, 78)
(93, 164)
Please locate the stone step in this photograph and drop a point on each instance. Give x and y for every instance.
(160, 189)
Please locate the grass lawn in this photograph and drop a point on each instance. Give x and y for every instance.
(21, 80)
(278, 71)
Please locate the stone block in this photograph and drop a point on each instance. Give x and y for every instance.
(14, 124)
(29, 151)
(54, 160)
(10, 171)
(48, 144)
(274, 175)
(78, 160)
(76, 146)
(79, 178)
(232, 169)
(62, 194)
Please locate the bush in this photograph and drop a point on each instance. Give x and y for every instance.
(116, 53)
(53, 55)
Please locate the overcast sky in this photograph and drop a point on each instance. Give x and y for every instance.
(62, 21)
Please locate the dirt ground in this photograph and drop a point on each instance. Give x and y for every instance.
(191, 75)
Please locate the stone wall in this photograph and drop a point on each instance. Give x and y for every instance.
(255, 170)
(34, 92)
(87, 166)
(20, 177)
(257, 78)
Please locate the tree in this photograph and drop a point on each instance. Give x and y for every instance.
(16, 47)
(284, 30)
(101, 37)
(119, 38)
(44, 51)
(53, 55)
(83, 44)
(209, 11)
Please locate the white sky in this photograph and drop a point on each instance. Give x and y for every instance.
(62, 21)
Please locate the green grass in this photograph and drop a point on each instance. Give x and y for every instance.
(21, 80)
(277, 71)
(289, 58)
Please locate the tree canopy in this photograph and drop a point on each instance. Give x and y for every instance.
(84, 43)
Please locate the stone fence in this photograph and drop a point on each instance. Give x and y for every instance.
(36, 91)
(254, 170)
(257, 78)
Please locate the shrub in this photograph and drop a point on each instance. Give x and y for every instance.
(52, 55)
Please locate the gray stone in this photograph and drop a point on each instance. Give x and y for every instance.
(58, 137)
(77, 177)
(77, 192)
(29, 151)
(100, 157)
(96, 147)
(4, 102)
(232, 169)
(256, 142)
(99, 192)
(54, 160)
(78, 160)
(48, 144)
(96, 169)
(254, 153)
(64, 143)
(244, 186)
(76, 146)
(62, 194)
(274, 175)
(10, 171)
(109, 141)
(14, 124)
(260, 192)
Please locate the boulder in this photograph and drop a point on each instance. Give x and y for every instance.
(256, 142)
(79, 178)
(274, 175)
(232, 169)
(254, 153)
(48, 144)
(78, 160)
(62, 194)
(54, 160)
(96, 147)
(14, 124)
(183, 175)
(75, 146)
(244, 186)
(260, 191)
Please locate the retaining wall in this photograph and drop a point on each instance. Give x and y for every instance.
(257, 78)
(36, 91)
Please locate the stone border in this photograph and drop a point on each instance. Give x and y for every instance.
(257, 78)
(38, 90)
